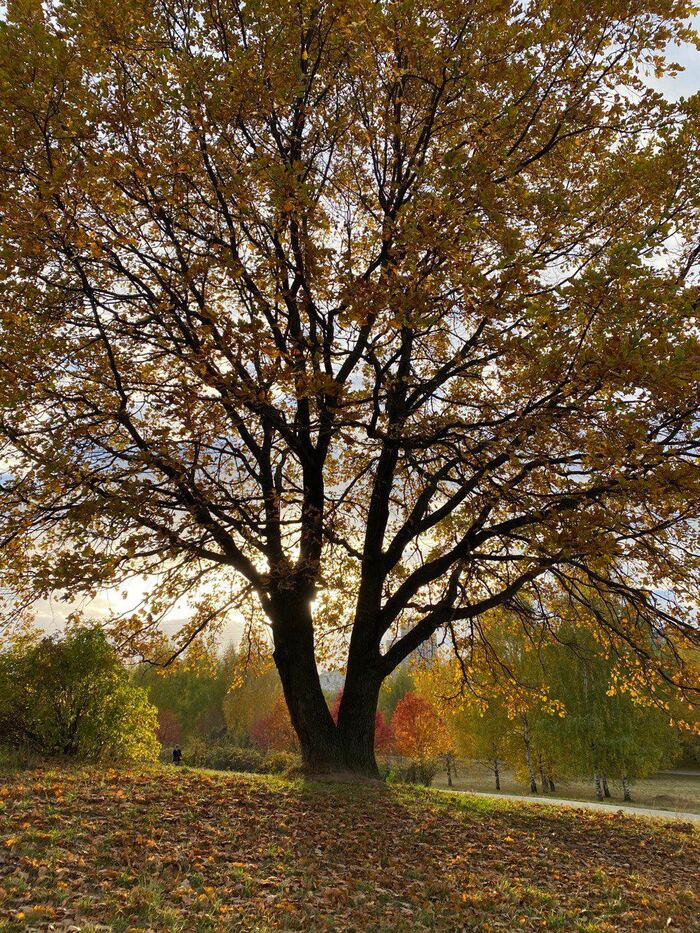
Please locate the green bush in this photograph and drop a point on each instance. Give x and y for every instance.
(285, 763)
(221, 756)
(71, 696)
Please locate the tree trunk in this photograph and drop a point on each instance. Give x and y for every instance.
(626, 793)
(543, 780)
(606, 790)
(528, 754)
(325, 747)
(308, 710)
(497, 772)
(448, 762)
(552, 786)
(356, 720)
(598, 786)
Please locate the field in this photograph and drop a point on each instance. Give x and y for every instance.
(182, 850)
(663, 791)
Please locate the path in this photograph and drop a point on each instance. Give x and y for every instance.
(587, 805)
(680, 772)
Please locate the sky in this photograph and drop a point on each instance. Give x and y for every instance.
(50, 614)
(688, 82)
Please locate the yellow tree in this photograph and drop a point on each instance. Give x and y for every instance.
(252, 694)
(476, 712)
(360, 317)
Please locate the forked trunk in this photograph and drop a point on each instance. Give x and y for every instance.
(325, 748)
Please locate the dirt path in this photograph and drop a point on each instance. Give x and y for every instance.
(588, 805)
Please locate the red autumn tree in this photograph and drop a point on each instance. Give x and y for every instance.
(419, 732)
(275, 730)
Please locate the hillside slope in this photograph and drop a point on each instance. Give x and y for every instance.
(187, 850)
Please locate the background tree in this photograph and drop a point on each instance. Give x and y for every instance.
(253, 694)
(485, 735)
(394, 689)
(274, 730)
(71, 696)
(604, 733)
(381, 309)
(169, 731)
(420, 735)
(565, 711)
(477, 720)
(192, 690)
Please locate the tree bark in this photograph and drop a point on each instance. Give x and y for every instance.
(598, 786)
(543, 780)
(626, 792)
(606, 789)
(497, 773)
(356, 720)
(308, 710)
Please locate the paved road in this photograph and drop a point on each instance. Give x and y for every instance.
(589, 805)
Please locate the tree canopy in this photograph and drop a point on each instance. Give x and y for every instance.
(358, 317)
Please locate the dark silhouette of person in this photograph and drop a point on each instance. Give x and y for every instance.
(177, 755)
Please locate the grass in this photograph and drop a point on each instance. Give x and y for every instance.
(188, 851)
(674, 792)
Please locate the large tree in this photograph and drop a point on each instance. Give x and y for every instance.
(374, 315)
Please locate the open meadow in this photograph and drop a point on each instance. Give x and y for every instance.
(673, 790)
(185, 850)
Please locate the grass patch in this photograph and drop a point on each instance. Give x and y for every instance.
(663, 791)
(173, 850)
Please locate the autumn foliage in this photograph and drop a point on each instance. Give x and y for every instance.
(274, 730)
(358, 318)
(419, 732)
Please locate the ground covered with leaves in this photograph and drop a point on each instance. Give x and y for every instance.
(187, 850)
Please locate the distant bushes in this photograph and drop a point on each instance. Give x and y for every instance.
(404, 771)
(223, 756)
